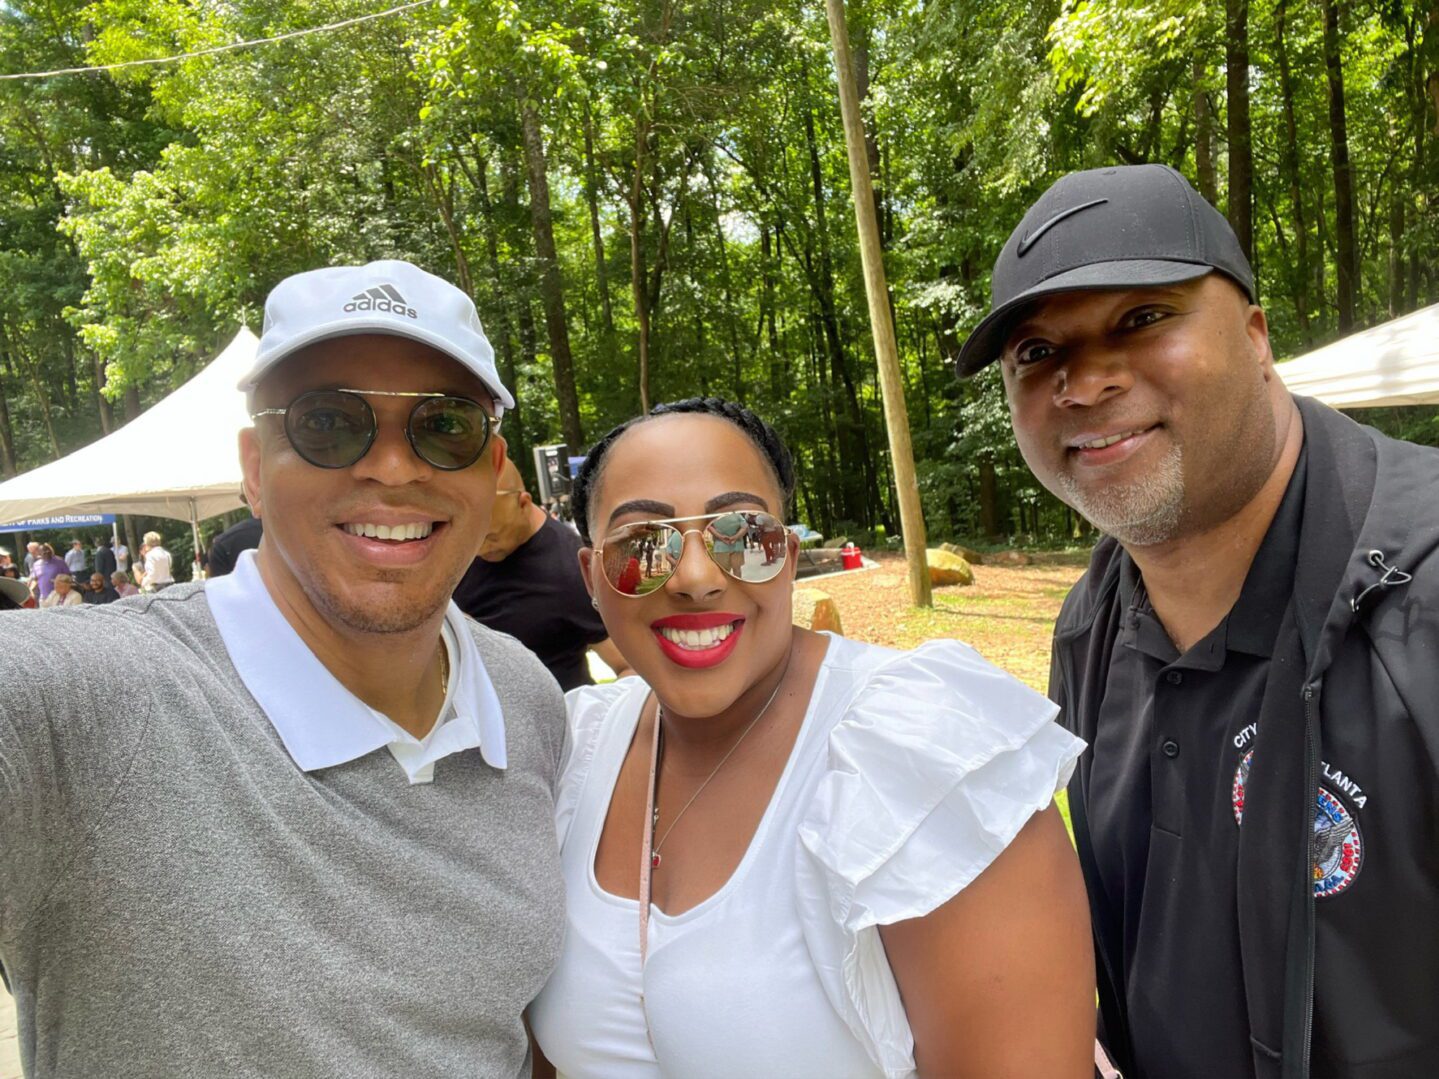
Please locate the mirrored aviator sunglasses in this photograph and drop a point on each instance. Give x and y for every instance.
(748, 545)
(335, 428)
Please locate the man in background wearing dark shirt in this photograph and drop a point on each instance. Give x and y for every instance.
(104, 559)
(226, 547)
(526, 582)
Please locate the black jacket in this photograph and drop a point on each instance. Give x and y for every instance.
(1354, 677)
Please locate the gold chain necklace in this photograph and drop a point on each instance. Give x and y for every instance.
(659, 741)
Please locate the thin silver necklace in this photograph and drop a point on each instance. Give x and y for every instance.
(659, 740)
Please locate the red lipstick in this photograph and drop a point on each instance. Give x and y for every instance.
(690, 656)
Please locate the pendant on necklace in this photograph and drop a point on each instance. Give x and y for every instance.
(655, 860)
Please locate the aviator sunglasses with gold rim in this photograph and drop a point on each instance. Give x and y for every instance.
(750, 546)
(335, 428)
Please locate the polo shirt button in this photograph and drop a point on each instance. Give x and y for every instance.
(1174, 678)
(1170, 748)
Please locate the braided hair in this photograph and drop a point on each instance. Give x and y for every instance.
(765, 438)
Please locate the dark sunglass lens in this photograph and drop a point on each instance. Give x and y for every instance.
(639, 558)
(330, 429)
(749, 546)
(449, 432)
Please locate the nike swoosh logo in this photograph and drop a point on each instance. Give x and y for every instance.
(1031, 238)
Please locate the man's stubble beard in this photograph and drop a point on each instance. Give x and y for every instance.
(393, 617)
(1140, 513)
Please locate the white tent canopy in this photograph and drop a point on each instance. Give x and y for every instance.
(1396, 363)
(179, 459)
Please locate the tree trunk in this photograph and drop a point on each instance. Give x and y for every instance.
(1241, 147)
(855, 465)
(592, 198)
(731, 317)
(7, 437)
(871, 139)
(767, 314)
(102, 403)
(1345, 249)
(551, 287)
(1396, 251)
(1289, 156)
(514, 421)
(1421, 109)
(31, 368)
(988, 503)
(637, 257)
(132, 402)
(1204, 136)
(881, 315)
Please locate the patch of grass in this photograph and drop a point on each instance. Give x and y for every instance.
(1007, 614)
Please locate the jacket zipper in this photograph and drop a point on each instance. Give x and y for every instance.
(1311, 786)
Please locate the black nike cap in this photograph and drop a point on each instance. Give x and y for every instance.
(1121, 227)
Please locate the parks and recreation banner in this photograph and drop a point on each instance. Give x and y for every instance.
(61, 520)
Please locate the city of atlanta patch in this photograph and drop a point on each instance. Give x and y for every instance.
(1338, 847)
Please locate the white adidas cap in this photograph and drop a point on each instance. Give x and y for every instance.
(388, 297)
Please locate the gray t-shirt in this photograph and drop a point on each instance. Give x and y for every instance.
(178, 898)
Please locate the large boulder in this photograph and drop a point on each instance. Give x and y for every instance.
(947, 568)
(816, 610)
(973, 557)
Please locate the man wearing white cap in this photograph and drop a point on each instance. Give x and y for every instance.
(314, 836)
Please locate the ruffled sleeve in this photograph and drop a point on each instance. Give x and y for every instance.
(586, 708)
(938, 762)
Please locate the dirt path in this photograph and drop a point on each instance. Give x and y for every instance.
(1007, 614)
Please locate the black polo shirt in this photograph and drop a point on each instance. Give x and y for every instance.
(1165, 795)
(226, 548)
(538, 596)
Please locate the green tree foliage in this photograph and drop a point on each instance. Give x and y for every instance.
(649, 198)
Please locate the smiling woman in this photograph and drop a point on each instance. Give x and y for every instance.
(785, 852)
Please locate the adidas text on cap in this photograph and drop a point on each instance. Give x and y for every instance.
(1115, 228)
(389, 297)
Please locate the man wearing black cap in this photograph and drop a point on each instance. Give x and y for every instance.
(1253, 654)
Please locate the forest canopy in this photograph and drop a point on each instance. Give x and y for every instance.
(649, 200)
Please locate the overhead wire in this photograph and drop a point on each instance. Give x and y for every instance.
(234, 46)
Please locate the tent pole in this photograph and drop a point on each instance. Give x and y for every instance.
(195, 574)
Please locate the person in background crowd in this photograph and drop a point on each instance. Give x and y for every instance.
(157, 563)
(100, 590)
(105, 563)
(48, 566)
(32, 553)
(122, 556)
(75, 557)
(298, 820)
(226, 547)
(526, 582)
(121, 580)
(64, 594)
(8, 568)
(1251, 654)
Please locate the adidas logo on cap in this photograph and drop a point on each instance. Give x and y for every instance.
(382, 298)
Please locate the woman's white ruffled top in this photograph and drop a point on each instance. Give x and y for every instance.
(911, 772)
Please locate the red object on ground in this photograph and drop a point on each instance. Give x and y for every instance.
(850, 557)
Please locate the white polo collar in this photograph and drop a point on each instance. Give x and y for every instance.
(322, 723)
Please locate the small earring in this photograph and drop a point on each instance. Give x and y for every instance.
(595, 602)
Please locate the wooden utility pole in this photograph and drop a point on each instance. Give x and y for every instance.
(896, 414)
